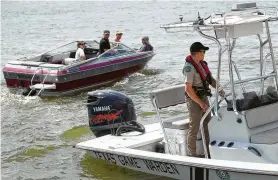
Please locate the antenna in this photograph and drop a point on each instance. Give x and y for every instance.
(200, 20)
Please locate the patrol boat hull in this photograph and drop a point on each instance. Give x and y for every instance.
(137, 152)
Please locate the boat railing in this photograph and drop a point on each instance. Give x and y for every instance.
(167, 97)
(209, 110)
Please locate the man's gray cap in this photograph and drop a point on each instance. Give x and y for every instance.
(145, 38)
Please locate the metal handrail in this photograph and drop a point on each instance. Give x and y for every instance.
(203, 119)
(161, 124)
(238, 76)
(33, 79)
(218, 65)
(272, 53)
(43, 82)
(35, 74)
(255, 78)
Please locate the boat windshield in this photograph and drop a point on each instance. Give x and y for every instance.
(118, 49)
(72, 46)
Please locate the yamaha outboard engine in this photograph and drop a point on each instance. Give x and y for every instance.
(111, 112)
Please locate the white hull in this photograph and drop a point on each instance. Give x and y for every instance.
(179, 169)
(134, 151)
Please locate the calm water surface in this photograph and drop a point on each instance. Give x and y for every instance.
(38, 134)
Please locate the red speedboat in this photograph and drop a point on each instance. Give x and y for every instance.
(50, 74)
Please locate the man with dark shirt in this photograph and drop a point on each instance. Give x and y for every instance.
(146, 46)
(104, 43)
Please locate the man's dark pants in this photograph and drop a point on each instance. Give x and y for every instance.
(195, 116)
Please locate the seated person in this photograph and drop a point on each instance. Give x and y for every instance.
(118, 36)
(104, 43)
(146, 45)
(80, 55)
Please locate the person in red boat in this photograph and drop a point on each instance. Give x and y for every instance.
(118, 36)
(104, 43)
(146, 46)
(80, 55)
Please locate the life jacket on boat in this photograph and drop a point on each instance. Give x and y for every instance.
(205, 77)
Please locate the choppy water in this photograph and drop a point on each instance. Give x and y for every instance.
(38, 134)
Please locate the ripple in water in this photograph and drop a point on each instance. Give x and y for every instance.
(31, 153)
(150, 72)
(76, 133)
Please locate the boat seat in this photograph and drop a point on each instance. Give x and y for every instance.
(179, 122)
(252, 100)
(266, 137)
(72, 54)
(167, 97)
(262, 124)
(68, 61)
(261, 115)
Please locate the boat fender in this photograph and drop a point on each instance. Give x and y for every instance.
(133, 126)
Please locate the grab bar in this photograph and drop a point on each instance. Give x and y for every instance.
(254, 151)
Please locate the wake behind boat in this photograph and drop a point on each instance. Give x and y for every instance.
(56, 73)
(243, 128)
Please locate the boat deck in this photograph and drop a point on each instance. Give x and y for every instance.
(127, 140)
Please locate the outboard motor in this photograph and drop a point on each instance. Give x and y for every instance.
(111, 112)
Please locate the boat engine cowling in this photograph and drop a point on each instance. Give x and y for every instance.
(109, 111)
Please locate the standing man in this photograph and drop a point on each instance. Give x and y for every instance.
(80, 55)
(104, 43)
(197, 80)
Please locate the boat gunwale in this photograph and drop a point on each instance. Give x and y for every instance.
(215, 164)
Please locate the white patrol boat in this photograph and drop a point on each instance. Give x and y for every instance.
(244, 125)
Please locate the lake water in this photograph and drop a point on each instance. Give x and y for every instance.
(38, 134)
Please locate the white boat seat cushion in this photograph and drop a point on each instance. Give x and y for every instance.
(168, 96)
(266, 137)
(178, 122)
(261, 115)
(68, 61)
